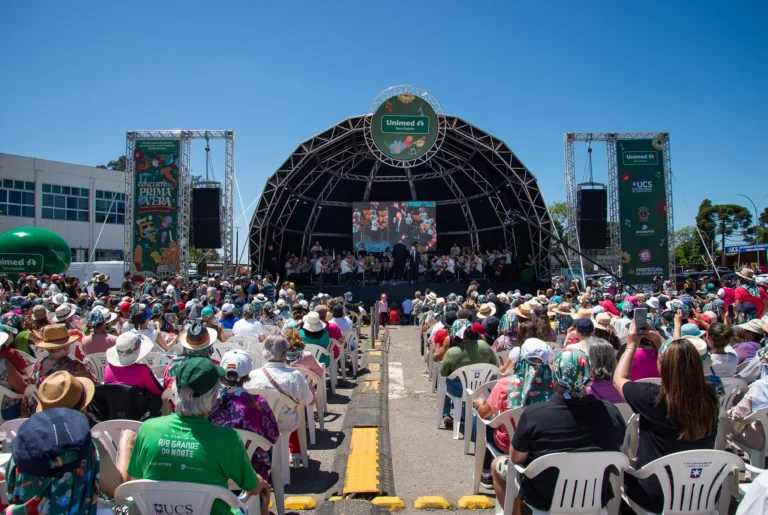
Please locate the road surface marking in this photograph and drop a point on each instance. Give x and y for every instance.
(396, 381)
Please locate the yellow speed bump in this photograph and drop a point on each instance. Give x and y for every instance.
(332, 498)
(362, 463)
(391, 503)
(300, 502)
(374, 353)
(431, 502)
(475, 502)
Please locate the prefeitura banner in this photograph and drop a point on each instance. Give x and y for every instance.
(642, 210)
(156, 207)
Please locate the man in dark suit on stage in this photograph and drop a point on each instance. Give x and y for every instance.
(414, 257)
(399, 255)
(398, 224)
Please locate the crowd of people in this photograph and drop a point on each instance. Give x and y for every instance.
(47, 334)
(565, 350)
(571, 357)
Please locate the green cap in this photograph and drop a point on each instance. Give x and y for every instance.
(199, 375)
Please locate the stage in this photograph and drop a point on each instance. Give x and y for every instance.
(399, 291)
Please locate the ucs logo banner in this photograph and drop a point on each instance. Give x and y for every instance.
(173, 509)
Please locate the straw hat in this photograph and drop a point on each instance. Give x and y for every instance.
(564, 308)
(524, 311)
(486, 310)
(197, 336)
(312, 322)
(63, 390)
(753, 326)
(131, 347)
(603, 321)
(747, 273)
(56, 337)
(583, 313)
(432, 296)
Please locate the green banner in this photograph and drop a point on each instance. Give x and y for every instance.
(642, 210)
(156, 207)
(13, 263)
(404, 127)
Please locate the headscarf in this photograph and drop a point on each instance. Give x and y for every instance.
(508, 324)
(572, 372)
(76, 491)
(532, 381)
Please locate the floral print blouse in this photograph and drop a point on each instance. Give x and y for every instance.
(238, 409)
(71, 365)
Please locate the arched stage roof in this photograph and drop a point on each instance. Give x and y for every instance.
(474, 178)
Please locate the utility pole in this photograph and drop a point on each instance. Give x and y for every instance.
(237, 247)
(757, 224)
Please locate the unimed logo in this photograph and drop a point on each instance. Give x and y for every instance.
(173, 509)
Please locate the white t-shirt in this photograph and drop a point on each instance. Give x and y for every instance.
(344, 323)
(318, 267)
(345, 267)
(451, 266)
(724, 365)
(435, 329)
(54, 289)
(247, 328)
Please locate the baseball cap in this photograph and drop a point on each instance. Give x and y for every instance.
(237, 361)
(125, 307)
(227, 308)
(199, 375)
(584, 326)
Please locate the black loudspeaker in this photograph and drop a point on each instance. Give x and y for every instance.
(593, 204)
(593, 216)
(592, 234)
(206, 218)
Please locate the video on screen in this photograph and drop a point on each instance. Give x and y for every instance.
(379, 225)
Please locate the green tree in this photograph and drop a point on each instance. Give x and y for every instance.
(559, 213)
(762, 228)
(118, 165)
(687, 246)
(721, 220)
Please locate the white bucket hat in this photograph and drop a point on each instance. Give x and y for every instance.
(63, 313)
(131, 347)
(313, 323)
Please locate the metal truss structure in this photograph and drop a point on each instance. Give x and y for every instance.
(184, 218)
(610, 258)
(472, 171)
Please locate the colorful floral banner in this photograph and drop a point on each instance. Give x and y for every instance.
(156, 207)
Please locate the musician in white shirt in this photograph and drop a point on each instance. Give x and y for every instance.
(346, 269)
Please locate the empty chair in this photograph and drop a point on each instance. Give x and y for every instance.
(508, 419)
(579, 486)
(321, 404)
(756, 456)
(196, 499)
(689, 480)
(109, 432)
(154, 359)
(734, 388)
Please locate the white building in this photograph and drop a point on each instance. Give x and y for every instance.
(83, 204)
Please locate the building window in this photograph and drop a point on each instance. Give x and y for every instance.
(109, 255)
(17, 198)
(65, 203)
(110, 206)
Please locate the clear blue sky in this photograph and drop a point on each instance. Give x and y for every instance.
(75, 76)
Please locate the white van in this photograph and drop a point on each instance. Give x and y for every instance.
(84, 272)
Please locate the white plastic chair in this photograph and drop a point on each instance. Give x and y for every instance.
(631, 434)
(159, 372)
(339, 361)
(502, 357)
(193, 498)
(227, 333)
(696, 476)
(109, 433)
(734, 387)
(321, 404)
(350, 341)
(579, 486)
(154, 359)
(508, 419)
(96, 363)
(280, 452)
(483, 392)
(31, 392)
(317, 351)
(8, 432)
(756, 456)
(250, 343)
(251, 441)
(471, 377)
(168, 398)
(6, 392)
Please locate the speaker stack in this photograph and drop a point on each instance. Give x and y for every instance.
(206, 218)
(592, 217)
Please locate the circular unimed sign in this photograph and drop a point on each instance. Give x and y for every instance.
(405, 125)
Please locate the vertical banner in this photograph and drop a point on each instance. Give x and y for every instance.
(642, 210)
(156, 207)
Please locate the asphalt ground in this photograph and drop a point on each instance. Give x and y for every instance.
(426, 460)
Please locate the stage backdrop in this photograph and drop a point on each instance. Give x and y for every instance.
(642, 210)
(156, 207)
(378, 225)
